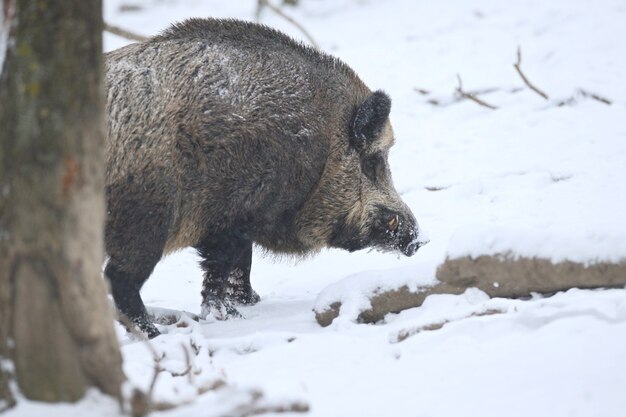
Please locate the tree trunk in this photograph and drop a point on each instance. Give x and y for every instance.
(56, 326)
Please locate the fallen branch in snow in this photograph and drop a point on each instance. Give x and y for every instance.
(470, 96)
(461, 94)
(116, 30)
(141, 406)
(278, 11)
(255, 407)
(143, 403)
(404, 334)
(443, 102)
(189, 366)
(596, 97)
(276, 409)
(517, 66)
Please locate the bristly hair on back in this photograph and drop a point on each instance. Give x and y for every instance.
(242, 34)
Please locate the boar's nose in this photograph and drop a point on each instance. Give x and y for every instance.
(411, 248)
(412, 240)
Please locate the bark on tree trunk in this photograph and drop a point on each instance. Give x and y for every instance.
(56, 327)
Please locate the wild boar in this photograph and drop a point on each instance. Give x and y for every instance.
(223, 134)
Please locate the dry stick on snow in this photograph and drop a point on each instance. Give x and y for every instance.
(594, 96)
(116, 30)
(263, 3)
(253, 408)
(402, 335)
(470, 96)
(142, 402)
(517, 66)
(276, 409)
(157, 370)
(132, 327)
(189, 366)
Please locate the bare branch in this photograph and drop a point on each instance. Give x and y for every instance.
(276, 409)
(253, 408)
(189, 366)
(157, 370)
(594, 96)
(421, 91)
(517, 66)
(165, 406)
(470, 96)
(402, 335)
(147, 396)
(141, 402)
(116, 30)
(278, 11)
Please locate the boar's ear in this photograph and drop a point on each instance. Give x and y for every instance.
(370, 119)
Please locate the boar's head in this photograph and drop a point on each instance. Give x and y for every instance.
(359, 200)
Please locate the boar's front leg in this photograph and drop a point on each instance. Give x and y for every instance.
(226, 261)
(136, 231)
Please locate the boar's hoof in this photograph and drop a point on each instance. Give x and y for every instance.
(140, 324)
(219, 310)
(151, 331)
(246, 298)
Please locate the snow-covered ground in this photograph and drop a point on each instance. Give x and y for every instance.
(533, 176)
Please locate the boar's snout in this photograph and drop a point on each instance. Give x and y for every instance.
(386, 229)
(410, 243)
(397, 231)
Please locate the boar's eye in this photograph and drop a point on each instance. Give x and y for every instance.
(373, 166)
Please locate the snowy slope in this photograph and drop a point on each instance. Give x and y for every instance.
(532, 176)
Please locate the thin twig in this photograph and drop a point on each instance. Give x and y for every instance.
(470, 96)
(277, 409)
(254, 407)
(290, 19)
(116, 30)
(165, 406)
(188, 368)
(517, 66)
(594, 96)
(142, 402)
(157, 370)
(132, 327)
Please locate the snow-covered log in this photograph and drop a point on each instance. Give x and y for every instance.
(497, 275)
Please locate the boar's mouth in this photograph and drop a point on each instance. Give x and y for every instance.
(347, 236)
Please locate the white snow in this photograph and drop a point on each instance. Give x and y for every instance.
(531, 178)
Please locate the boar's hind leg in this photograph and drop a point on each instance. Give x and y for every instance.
(135, 235)
(226, 263)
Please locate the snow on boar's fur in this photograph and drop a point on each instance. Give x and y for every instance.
(222, 134)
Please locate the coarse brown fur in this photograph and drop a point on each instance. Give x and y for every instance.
(222, 134)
